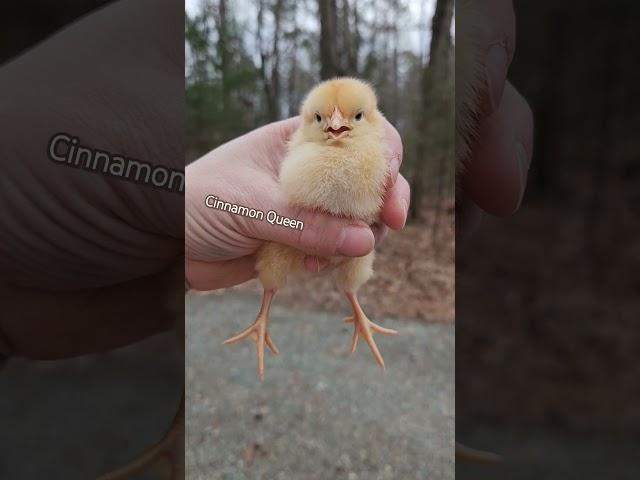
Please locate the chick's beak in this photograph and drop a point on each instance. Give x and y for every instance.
(337, 127)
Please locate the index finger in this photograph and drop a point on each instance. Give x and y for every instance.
(392, 137)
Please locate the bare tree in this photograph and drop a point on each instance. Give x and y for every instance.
(395, 79)
(274, 112)
(345, 54)
(329, 66)
(440, 33)
(292, 99)
(223, 52)
(433, 114)
(440, 63)
(270, 60)
(357, 39)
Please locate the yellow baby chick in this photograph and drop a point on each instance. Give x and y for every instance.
(336, 163)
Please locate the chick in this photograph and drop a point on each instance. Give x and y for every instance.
(335, 164)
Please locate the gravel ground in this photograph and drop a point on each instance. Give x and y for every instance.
(320, 412)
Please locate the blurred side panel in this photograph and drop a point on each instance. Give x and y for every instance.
(547, 339)
(91, 240)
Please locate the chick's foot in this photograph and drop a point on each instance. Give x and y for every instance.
(258, 332)
(365, 328)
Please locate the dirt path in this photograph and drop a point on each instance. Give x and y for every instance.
(320, 412)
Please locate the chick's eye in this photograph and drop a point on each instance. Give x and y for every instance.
(359, 116)
(318, 118)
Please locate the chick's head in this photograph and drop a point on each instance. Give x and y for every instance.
(340, 110)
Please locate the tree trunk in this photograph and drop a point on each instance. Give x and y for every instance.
(223, 50)
(357, 39)
(433, 73)
(274, 112)
(266, 83)
(292, 99)
(440, 32)
(440, 48)
(395, 87)
(346, 52)
(328, 38)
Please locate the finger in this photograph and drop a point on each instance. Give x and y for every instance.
(495, 39)
(380, 231)
(497, 174)
(396, 204)
(279, 131)
(394, 144)
(285, 128)
(214, 275)
(319, 233)
(272, 137)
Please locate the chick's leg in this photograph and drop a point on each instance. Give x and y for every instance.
(258, 332)
(363, 327)
(352, 274)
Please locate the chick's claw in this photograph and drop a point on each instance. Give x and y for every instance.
(259, 333)
(366, 328)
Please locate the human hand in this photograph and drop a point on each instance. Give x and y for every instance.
(494, 172)
(86, 259)
(220, 247)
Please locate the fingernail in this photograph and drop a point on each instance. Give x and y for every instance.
(497, 63)
(405, 209)
(355, 241)
(523, 167)
(315, 264)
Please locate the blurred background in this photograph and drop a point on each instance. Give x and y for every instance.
(250, 62)
(547, 337)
